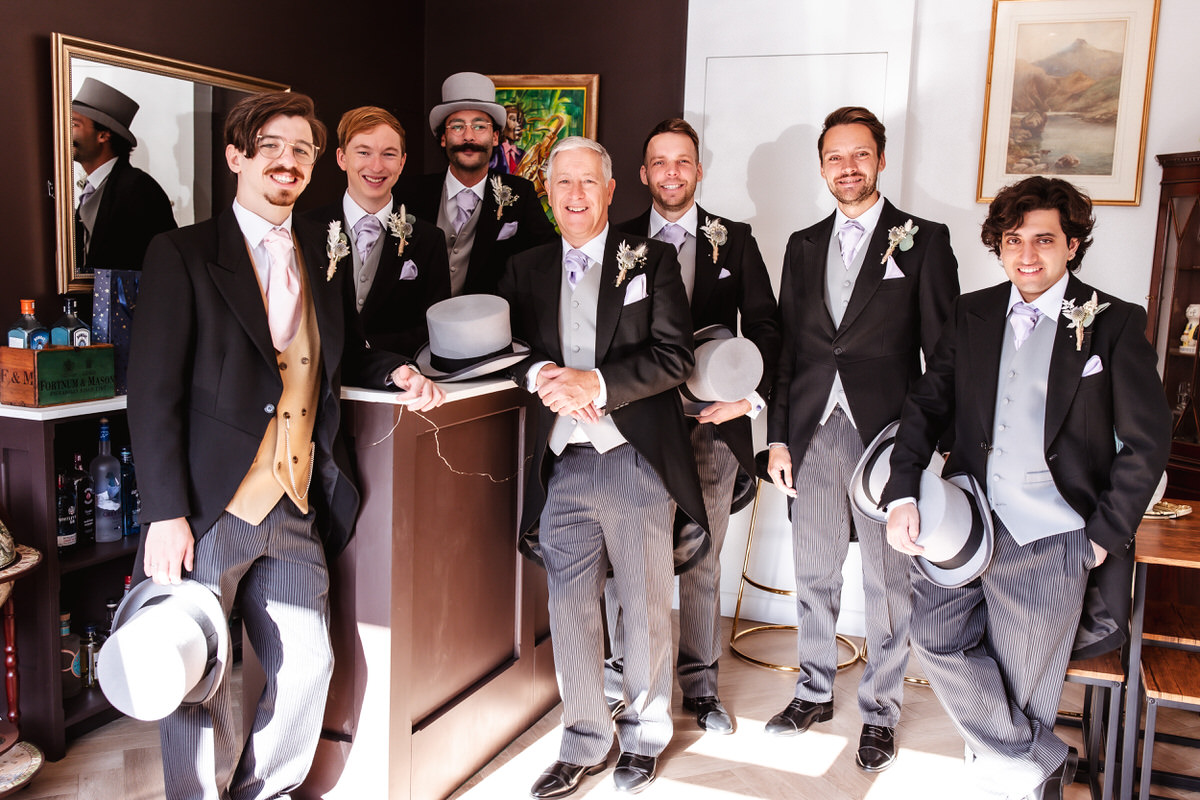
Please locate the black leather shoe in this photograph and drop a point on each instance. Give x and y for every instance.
(634, 772)
(561, 779)
(615, 706)
(799, 716)
(710, 714)
(876, 748)
(1052, 787)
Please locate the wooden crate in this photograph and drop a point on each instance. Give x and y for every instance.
(55, 375)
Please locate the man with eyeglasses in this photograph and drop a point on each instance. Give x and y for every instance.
(399, 264)
(486, 216)
(237, 356)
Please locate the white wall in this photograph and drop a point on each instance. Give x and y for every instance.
(933, 175)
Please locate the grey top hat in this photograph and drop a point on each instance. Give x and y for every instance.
(956, 530)
(469, 336)
(873, 470)
(467, 90)
(102, 103)
(728, 368)
(169, 646)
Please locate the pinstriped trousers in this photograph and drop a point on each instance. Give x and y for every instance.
(700, 642)
(277, 570)
(821, 515)
(610, 503)
(996, 652)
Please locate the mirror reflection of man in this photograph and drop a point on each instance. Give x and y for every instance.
(482, 226)
(507, 157)
(120, 207)
(398, 273)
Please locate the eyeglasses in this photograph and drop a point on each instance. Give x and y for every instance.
(272, 148)
(458, 128)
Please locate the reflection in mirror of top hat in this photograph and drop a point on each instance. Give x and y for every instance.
(112, 108)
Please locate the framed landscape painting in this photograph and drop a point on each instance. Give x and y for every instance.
(1068, 95)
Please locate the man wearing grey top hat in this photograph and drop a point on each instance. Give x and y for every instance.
(120, 207)
(486, 216)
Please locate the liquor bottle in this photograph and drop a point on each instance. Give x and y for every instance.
(89, 649)
(69, 331)
(131, 501)
(70, 664)
(128, 585)
(106, 488)
(110, 605)
(85, 502)
(68, 525)
(27, 332)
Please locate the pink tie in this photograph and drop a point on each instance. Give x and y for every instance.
(283, 288)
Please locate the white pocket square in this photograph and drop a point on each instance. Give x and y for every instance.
(636, 289)
(507, 231)
(893, 271)
(1092, 367)
(724, 274)
(408, 272)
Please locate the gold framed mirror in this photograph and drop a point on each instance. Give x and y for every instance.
(178, 111)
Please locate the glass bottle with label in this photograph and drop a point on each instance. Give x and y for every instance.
(68, 524)
(27, 332)
(106, 489)
(90, 647)
(131, 503)
(70, 331)
(85, 503)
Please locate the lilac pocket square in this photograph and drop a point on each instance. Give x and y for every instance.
(724, 274)
(507, 231)
(1092, 367)
(636, 289)
(409, 271)
(893, 271)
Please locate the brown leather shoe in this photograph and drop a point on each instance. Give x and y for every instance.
(561, 779)
(799, 717)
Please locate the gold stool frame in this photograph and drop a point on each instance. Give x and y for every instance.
(735, 634)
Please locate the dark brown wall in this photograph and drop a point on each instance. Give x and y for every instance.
(311, 46)
(637, 46)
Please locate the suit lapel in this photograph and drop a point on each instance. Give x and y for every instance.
(310, 240)
(814, 257)
(871, 274)
(546, 288)
(1066, 363)
(707, 270)
(233, 275)
(612, 297)
(986, 329)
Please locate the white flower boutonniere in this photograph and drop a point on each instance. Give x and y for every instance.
(337, 247)
(629, 258)
(1082, 316)
(400, 225)
(503, 195)
(902, 237)
(716, 234)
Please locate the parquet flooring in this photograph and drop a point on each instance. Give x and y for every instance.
(122, 760)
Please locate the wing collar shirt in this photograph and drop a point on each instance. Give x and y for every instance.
(100, 173)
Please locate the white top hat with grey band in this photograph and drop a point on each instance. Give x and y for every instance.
(728, 368)
(113, 109)
(469, 336)
(169, 646)
(956, 529)
(464, 90)
(873, 470)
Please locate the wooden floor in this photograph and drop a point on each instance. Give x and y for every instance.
(121, 760)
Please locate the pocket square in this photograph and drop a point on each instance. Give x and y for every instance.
(1092, 367)
(409, 271)
(724, 274)
(893, 271)
(507, 231)
(636, 289)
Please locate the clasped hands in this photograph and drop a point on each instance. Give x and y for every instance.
(419, 393)
(569, 392)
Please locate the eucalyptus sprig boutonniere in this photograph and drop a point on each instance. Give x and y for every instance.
(337, 247)
(902, 237)
(1082, 316)
(400, 225)
(629, 258)
(716, 234)
(503, 195)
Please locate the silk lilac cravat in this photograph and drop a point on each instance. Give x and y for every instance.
(1023, 320)
(577, 264)
(88, 191)
(672, 234)
(467, 200)
(366, 233)
(849, 236)
(283, 288)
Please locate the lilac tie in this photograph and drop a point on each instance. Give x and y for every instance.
(366, 234)
(577, 264)
(672, 234)
(88, 191)
(283, 288)
(849, 236)
(1023, 320)
(467, 200)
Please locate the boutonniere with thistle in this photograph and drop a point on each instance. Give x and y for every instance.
(503, 195)
(629, 258)
(1082, 316)
(337, 247)
(900, 236)
(716, 234)
(400, 225)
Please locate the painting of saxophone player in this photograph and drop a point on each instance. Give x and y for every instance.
(541, 110)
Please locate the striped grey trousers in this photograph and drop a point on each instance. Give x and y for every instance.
(602, 508)
(821, 514)
(996, 652)
(277, 571)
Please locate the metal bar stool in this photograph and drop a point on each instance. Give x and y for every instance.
(1104, 680)
(736, 635)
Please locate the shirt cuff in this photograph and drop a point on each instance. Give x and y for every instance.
(901, 501)
(757, 404)
(531, 376)
(773, 445)
(601, 399)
